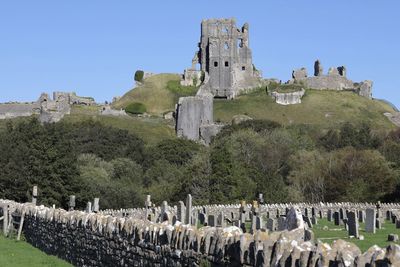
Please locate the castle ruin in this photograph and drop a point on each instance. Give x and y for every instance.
(46, 108)
(335, 79)
(225, 59)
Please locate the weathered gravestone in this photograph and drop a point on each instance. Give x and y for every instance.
(370, 221)
(271, 224)
(211, 220)
(188, 219)
(329, 215)
(181, 214)
(361, 216)
(259, 223)
(352, 223)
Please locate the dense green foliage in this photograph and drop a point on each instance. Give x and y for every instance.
(285, 163)
(136, 108)
(139, 75)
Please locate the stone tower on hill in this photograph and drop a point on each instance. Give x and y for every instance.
(225, 58)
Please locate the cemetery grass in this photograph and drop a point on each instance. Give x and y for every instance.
(21, 254)
(335, 232)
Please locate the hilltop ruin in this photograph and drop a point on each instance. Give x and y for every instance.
(225, 60)
(48, 109)
(335, 79)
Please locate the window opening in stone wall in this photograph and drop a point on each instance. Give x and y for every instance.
(226, 46)
(225, 30)
(215, 63)
(226, 64)
(239, 43)
(243, 68)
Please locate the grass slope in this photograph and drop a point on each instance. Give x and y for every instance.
(334, 232)
(152, 129)
(323, 108)
(21, 254)
(153, 94)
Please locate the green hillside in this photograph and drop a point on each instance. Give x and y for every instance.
(322, 108)
(153, 94)
(160, 93)
(151, 129)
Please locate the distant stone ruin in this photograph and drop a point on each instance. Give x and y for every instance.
(47, 109)
(335, 80)
(225, 60)
(289, 98)
(107, 110)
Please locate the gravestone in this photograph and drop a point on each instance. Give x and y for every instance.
(361, 216)
(71, 203)
(202, 218)
(329, 215)
(370, 221)
(89, 207)
(188, 219)
(271, 224)
(34, 194)
(352, 223)
(336, 218)
(388, 215)
(181, 214)
(378, 224)
(259, 223)
(221, 219)
(307, 220)
(281, 223)
(397, 224)
(96, 206)
(211, 220)
(314, 220)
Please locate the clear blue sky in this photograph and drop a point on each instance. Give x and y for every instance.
(93, 47)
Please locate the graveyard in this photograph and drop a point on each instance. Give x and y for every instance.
(209, 134)
(244, 234)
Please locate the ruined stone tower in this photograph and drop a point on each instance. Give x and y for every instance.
(225, 59)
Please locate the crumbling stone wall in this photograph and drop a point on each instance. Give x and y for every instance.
(195, 119)
(48, 109)
(90, 239)
(335, 80)
(288, 98)
(15, 110)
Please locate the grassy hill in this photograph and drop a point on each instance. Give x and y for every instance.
(151, 129)
(160, 93)
(322, 108)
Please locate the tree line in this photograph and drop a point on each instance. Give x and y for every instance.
(286, 164)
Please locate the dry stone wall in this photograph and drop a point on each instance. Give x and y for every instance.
(123, 238)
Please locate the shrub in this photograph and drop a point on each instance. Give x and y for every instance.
(136, 108)
(179, 90)
(139, 74)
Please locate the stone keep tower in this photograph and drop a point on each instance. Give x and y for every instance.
(225, 58)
